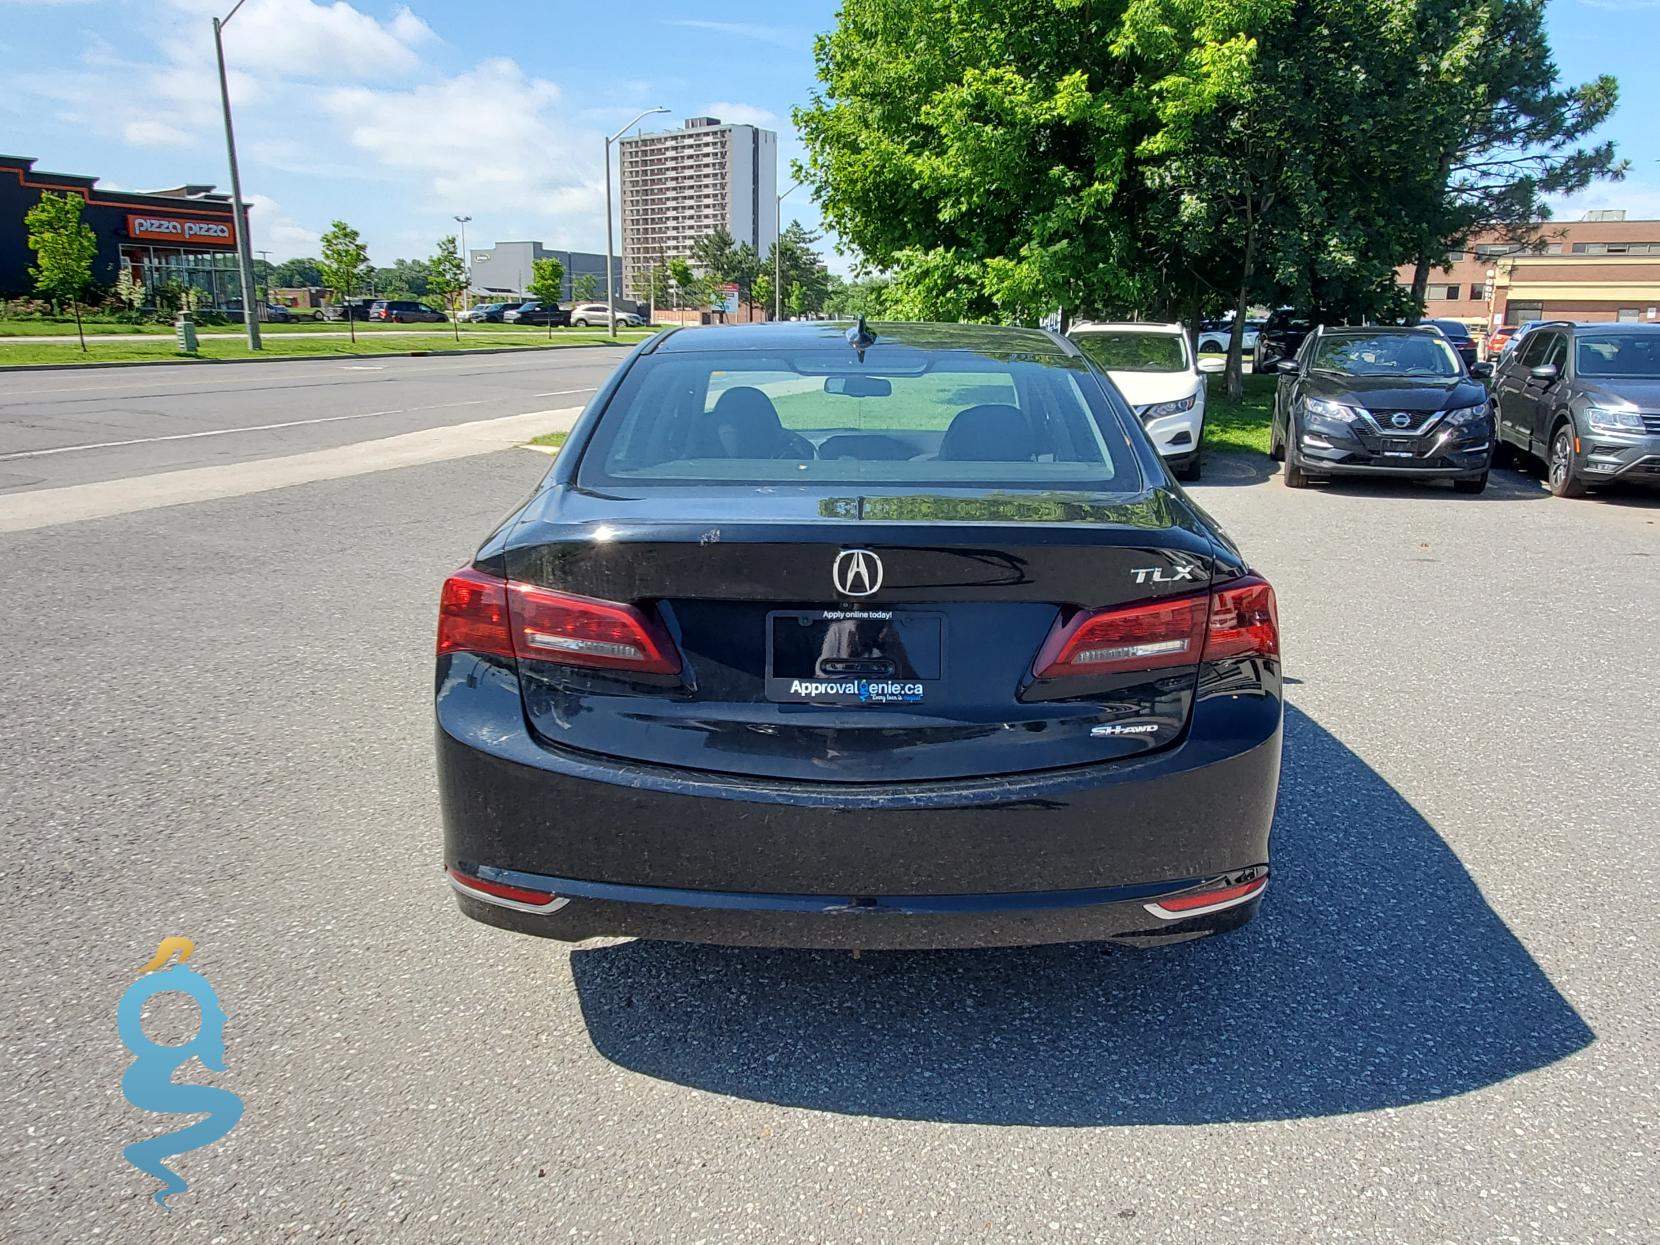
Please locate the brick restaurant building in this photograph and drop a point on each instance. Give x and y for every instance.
(184, 236)
(1601, 268)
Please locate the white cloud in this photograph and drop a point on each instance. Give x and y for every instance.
(1639, 199)
(275, 231)
(156, 134)
(742, 114)
(305, 40)
(486, 137)
(778, 36)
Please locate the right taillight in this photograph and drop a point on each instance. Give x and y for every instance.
(481, 614)
(1238, 620)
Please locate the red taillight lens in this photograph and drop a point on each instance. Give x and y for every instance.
(1244, 621)
(1142, 637)
(580, 631)
(479, 614)
(472, 615)
(1205, 902)
(1239, 620)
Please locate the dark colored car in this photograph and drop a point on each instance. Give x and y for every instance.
(1458, 333)
(538, 312)
(1281, 335)
(867, 638)
(1585, 399)
(1382, 401)
(404, 311)
(351, 309)
(487, 313)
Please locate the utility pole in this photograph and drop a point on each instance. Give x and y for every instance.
(778, 252)
(610, 243)
(244, 249)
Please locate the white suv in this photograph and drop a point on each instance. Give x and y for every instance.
(1154, 368)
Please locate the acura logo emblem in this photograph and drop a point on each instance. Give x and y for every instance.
(856, 573)
(1400, 419)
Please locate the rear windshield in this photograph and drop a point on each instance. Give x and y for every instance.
(1135, 352)
(901, 416)
(1619, 354)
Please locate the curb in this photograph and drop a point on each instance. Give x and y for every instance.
(308, 358)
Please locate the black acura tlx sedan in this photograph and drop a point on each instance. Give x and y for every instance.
(1382, 402)
(892, 636)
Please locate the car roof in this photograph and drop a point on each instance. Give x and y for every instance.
(1607, 326)
(806, 335)
(1126, 326)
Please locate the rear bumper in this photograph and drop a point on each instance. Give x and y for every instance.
(657, 852)
(1127, 915)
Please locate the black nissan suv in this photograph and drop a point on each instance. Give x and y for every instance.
(1382, 401)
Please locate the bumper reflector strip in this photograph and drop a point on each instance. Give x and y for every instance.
(521, 898)
(1183, 906)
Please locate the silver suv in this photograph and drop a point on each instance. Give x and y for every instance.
(585, 314)
(1585, 400)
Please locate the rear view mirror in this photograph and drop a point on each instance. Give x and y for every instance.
(859, 386)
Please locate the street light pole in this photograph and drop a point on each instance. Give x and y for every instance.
(244, 248)
(610, 242)
(778, 252)
(466, 260)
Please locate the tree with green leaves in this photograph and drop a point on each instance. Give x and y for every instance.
(447, 278)
(862, 296)
(800, 268)
(547, 284)
(651, 285)
(297, 273)
(687, 286)
(722, 261)
(1504, 133)
(344, 266)
(585, 288)
(64, 248)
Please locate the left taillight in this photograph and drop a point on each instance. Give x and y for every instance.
(480, 614)
(472, 615)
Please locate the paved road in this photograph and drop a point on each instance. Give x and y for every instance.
(1444, 1026)
(71, 427)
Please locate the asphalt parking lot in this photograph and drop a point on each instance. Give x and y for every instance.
(1443, 1026)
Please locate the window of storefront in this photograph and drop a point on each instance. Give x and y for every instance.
(167, 271)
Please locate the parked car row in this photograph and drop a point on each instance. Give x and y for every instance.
(1582, 399)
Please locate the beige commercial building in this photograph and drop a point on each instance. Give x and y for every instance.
(681, 185)
(1596, 268)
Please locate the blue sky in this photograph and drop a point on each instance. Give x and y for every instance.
(398, 116)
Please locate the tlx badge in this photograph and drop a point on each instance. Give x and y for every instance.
(1164, 574)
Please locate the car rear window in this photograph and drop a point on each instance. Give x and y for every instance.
(899, 416)
(1135, 352)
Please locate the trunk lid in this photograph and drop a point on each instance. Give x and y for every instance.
(929, 676)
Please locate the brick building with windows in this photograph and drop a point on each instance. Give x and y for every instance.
(1602, 267)
(681, 185)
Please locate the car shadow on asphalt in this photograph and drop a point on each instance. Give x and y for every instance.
(1375, 976)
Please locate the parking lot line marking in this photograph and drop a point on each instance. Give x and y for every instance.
(225, 432)
(560, 393)
(22, 512)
